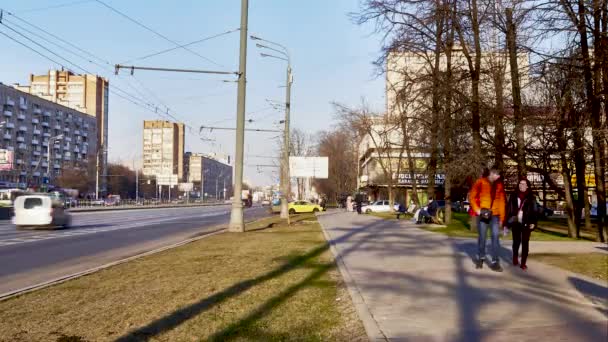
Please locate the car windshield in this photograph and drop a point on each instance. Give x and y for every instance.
(32, 202)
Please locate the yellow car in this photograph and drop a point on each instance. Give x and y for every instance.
(303, 207)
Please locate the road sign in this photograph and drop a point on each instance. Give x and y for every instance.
(170, 180)
(309, 167)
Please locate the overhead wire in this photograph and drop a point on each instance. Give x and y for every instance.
(138, 23)
(55, 6)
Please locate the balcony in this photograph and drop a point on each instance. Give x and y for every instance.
(44, 164)
(37, 132)
(67, 130)
(22, 146)
(86, 126)
(21, 139)
(10, 148)
(37, 111)
(59, 156)
(57, 126)
(85, 134)
(22, 129)
(67, 155)
(45, 143)
(56, 166)
(23, 173)
(19, 161)
(45, 124)
(76, 150)
(10, 102)
(35, 121)
(7, 136)
(21, 117)
(36, 153)
(35, 142)
(77, 132)
(8, 113)
(36, 174)
(46, 134)
(68, 139)
(66, 147)
(23, 105)
(46, 113)
(10, 125)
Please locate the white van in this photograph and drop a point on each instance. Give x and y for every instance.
(40, 211)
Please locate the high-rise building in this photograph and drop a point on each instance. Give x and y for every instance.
(163, 148)
(31, 127)
(208, 175)
(84, 93)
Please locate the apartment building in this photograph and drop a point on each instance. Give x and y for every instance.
(31, 127)
(83, 93)
(208, 175)
(163, 145)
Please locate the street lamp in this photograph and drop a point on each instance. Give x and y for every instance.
(48, 154)
(285, 160)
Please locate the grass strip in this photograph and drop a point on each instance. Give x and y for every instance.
(271, 283)
(594, 265)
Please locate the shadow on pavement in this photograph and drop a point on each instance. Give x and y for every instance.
(595, 293)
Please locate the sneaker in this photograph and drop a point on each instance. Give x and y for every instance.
(524, 267)
(479, 263)
(496, 267)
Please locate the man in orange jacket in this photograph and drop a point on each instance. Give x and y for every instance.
(487, 198)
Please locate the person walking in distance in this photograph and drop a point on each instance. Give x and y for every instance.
(522, 219)
(487, 198)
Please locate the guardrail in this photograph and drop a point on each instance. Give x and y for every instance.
(88, 204)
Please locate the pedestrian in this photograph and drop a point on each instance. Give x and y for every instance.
(522, 217)
(487, 198)
(358, 202)
(401, 211)
(429, 212)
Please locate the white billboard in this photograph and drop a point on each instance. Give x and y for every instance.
(185, 186)
(170, 180)
(309, 167)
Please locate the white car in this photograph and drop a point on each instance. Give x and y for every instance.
(378, 207)
(40, 211)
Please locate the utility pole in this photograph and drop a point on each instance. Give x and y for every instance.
(236, 216)
(285, 164)
(97, 172)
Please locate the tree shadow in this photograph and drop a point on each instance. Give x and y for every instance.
(292, 262)
(596, 294)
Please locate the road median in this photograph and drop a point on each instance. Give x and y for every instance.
(271, 283)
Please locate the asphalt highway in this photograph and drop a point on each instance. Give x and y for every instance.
(30, 257)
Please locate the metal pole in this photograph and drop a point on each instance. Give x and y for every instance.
(97, 175)
(136, 183)
(236, 216)
(48, 161)
(285, 163)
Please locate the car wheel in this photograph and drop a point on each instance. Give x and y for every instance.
(367, 211)
(292, 211)
(315, 210)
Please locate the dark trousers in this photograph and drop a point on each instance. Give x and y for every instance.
(521, 235)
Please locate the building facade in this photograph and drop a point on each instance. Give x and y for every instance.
(84, 93)
(210, 177)
(163, 145)
(31, 127)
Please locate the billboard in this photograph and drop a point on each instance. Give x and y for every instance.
(185, 186)
(6, 160)
(309, 167)
(421, 179)
(170, 180)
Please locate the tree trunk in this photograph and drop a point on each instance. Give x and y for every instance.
(447, 122)
(562, 144)
(580, 165)
(516, 87)
(432, 167)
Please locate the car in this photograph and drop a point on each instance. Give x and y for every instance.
(265, 203)
(40, 211)
(379, 207)
(298, 207)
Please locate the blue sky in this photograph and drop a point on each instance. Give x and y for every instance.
(331, 58)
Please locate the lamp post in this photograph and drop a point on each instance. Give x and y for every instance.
(285, 183)
(48, 154)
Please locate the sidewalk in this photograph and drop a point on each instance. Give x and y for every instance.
(414, 285)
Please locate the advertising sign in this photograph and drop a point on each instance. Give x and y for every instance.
(309, 167)
(421, 179)
(6, 160)
(185, 186)
(170, 180)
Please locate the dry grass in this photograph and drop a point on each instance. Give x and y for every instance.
(594, 265)
(271, 283)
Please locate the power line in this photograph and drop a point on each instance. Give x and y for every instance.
(55, 6)
(180, 46)
(156, 32)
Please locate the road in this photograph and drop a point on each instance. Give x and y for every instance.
(29, 257)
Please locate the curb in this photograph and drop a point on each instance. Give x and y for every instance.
(369, 322)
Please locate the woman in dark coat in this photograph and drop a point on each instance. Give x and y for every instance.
(522, 217)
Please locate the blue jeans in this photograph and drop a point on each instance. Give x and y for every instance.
(482, 231)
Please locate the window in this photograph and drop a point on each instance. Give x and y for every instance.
(31, 203)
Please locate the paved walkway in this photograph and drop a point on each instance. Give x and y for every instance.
(412, 285)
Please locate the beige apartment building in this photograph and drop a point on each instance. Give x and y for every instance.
(31, 128)
(211, 178)
(84, 93)
(163, 145)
